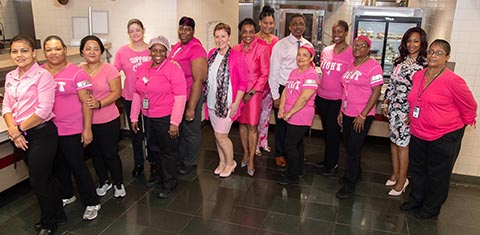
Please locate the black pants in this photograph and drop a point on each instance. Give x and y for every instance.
(104, 150)
(328, 110)
(164, 150)
(294, 149)
(137, 139)
(70, 159)
(431, 165)
(190, 138)
(280, 129)
(353, 144)
(40, 157)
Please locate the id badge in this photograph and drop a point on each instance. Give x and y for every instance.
(145, 103)
(345, 105)
(416, 112)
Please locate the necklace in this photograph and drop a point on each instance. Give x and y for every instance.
(90, 71)
(341, 49)
(361, 62)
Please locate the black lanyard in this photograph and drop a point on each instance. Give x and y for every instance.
(420, 91)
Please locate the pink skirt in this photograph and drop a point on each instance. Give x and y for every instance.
(250, 113)
(220, 125)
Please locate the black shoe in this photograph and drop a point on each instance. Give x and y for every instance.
(37, 226)
(346, 191)
(164, 193)
(284, 179)
(319, 165)
(329, 172)
(407, 206)
(153, 182)
(153, 171)
(45, 231)
(137, 170)
(424, 215)
(184, 170)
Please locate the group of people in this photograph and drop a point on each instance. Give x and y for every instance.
(55, 110)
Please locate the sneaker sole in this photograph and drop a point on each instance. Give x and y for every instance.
(108, 188)
(87, 219)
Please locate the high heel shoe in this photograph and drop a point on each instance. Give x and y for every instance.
(258, 153)
(251, 172)
(390, 183)
(396, 193)
(243, 164)
(228, 170)
(219, 168)
(267, 149)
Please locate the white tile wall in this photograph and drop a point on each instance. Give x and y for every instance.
(466, 54)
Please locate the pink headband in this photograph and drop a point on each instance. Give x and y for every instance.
(310, 50)
(367, 40)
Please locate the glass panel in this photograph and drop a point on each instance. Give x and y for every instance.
(394, 38)
(375, 31)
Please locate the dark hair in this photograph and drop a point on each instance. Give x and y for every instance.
(88, 38)
(247, 21)
(443, 44)
(342, 24)
(296, 15)
(54, 37)
(266, 11)
(187, 21)
(22, 37)
(422, 54)
(134, 21)
(223, 26)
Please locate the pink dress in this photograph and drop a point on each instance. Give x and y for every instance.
(258, 57)
(267, 104)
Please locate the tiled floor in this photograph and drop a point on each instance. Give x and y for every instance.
(206, 204)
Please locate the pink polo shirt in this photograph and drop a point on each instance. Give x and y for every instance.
(333, 67)
(100, 90)
(184, 55)
(296, 83)
(162, 85)
(68, 107)
(32, 93)
(357, 85)
(446, 105)
(258, 64)
(129, 61)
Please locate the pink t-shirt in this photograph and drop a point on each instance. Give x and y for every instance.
(68, 107)
(32, 93)
(184, 55)
(446, 105)
(357, 85)
(258, 64)
(160, 85)
(129, 61)
(296, 83)
(333, 67)
(100, 90)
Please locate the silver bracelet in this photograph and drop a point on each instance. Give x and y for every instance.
(383, 106)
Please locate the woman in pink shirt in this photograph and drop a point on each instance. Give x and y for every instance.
(224, 89)
(27, 111)
(128, 59)
(297, 109)
(258, 62)
(361, 83)
(74, 123)
(266, 37)
(161, 94)
(441, 105)
(106, 89)
(335, 60)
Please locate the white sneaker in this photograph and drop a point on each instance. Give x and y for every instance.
(103, 189)
(91, 212)
(69, 200)
(120, 191)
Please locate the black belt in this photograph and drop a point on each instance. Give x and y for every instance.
(38, 127)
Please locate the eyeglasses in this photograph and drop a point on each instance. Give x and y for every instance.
(437, 53)
(362, 45)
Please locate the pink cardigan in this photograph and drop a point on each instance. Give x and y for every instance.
(237, 67)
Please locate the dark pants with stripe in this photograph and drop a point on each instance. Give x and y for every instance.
(137, 139)
(328, 110)
(353, 144)
(40, 157)
(70, 160)
(164, 151)
(280, 130)
(431, 165)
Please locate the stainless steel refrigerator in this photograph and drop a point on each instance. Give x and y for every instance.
(385, 26)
